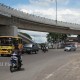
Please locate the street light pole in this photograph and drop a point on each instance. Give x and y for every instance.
(56, 11)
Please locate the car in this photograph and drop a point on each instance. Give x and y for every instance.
(31, 48)
(70, 48)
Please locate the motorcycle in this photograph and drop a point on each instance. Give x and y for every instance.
(15, 64)
(44, 50)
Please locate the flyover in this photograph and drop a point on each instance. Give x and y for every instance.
(25, 39)
(12, 19)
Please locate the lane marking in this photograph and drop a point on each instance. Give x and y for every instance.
(52, 74)
(49, 76)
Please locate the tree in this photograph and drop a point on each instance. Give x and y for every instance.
(63, 37)
(52, 37)
(78, 38)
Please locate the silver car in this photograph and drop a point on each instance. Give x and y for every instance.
(70, 48)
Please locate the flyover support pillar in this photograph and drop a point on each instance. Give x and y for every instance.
(8, 30)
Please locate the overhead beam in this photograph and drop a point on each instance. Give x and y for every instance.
(30, 25)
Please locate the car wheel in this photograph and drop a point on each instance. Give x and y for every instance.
(64, 50)
(29, 52)
(67, 50)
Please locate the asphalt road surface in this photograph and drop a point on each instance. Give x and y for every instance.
(52, 65)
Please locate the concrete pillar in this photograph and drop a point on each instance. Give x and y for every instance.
(8, 31)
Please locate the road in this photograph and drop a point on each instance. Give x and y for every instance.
(52, 65)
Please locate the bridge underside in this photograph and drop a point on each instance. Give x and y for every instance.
(29, 25)
(47, 28)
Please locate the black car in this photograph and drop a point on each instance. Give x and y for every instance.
(31, 48)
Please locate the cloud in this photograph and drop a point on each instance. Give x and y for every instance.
(63, 14)
(64, 1)
(42, 2)
(24, 10)
(35, 33)
(47, 2)
(66, 15)
(38, 37)
(69, 15)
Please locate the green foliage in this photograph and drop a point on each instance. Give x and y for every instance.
(52, 37)
(78, 37)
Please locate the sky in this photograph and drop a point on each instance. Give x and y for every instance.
(67, 10)
(38, 37)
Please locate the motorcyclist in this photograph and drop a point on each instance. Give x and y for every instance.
(16, 52)
(44, 48)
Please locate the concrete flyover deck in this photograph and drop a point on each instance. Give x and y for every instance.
(10, 16)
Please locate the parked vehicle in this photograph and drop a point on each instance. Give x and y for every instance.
(70, 48)
(31, 48)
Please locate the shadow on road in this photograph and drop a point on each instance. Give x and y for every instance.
(22, 69)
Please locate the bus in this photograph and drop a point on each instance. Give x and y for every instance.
(7, 44)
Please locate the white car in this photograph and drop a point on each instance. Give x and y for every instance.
(70, 48)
